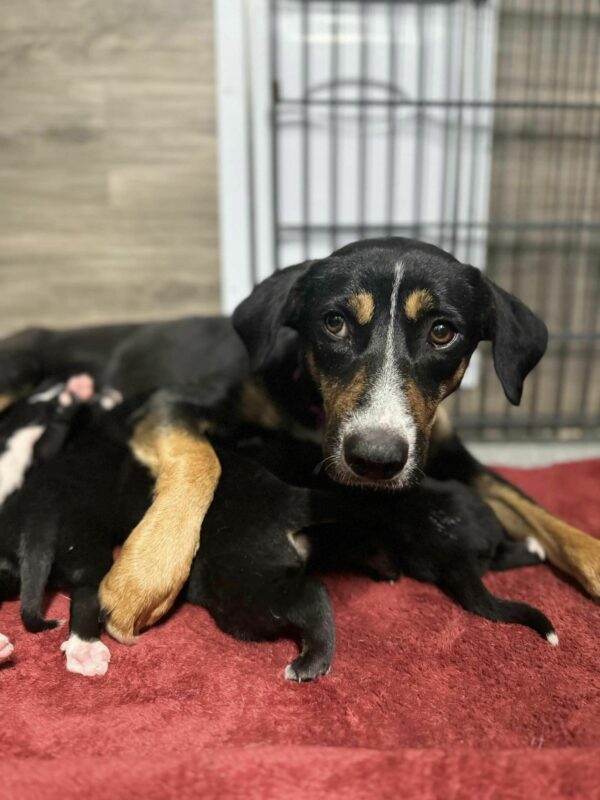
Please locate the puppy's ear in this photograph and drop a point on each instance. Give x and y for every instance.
(271, 305)
(519, 338)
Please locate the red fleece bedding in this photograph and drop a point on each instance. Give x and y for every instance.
(424, 701)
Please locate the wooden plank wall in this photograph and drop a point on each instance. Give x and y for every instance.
(108, 187)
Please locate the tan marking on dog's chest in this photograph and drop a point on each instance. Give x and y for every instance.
(257, 406)
(568, 548)
(442, 428)
(362, 306)
(417, 303)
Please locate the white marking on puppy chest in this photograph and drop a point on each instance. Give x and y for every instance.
(17, 458)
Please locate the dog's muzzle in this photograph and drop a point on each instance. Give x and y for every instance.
(377, 454)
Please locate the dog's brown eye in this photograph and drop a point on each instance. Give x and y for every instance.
(336, 324)
(442, 334)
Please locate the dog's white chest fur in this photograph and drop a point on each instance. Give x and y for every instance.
(17, 458)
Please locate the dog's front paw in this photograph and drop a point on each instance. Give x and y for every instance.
(307, 667)
(130, 604)
(149, 573)
(86, 658)
(583, 554)
(6, 648)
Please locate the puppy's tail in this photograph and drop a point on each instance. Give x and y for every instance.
(37, 555)
(469, 591)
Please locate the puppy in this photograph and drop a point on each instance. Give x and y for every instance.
(32, 431)
(251, 572)
(438, 532)
(59, 529)
(70, 513)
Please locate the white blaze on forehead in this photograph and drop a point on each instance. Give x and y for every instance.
(387, 405)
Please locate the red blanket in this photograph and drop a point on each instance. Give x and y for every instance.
(424, 701)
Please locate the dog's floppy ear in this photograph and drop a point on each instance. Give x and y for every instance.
(271, 305)
(519, 338)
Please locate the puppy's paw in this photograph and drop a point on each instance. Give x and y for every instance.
(307, 667)
(86, 658)
(36, 624)
(6, 648)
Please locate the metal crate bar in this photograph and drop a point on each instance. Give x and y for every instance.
(473, 125)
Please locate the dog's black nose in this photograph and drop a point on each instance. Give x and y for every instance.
(377, 454)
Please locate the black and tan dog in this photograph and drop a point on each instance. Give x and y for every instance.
(357, 349)
(263, 538)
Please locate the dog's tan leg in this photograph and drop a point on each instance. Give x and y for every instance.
(568, 548)
(6, 400)
(156, 559)
(571, 550)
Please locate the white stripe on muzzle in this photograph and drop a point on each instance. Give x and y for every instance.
(387, 403)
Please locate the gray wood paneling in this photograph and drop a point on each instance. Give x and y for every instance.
(108, 185)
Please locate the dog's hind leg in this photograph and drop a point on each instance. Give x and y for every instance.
(575, 552)
(9, 579)
(85, 653)
(311, 615)
(37, 556)
(469, 591)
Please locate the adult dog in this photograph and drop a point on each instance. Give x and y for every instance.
(358, 348)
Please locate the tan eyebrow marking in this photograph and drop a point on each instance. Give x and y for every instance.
(362, 305)
(417, 303)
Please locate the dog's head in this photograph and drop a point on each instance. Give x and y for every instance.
(386, 329)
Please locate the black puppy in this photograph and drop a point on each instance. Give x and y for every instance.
(251, 572)
(60, 527)
(255, 569)
(439, 532)
(64, 523)
(32, 432)
(34, 428)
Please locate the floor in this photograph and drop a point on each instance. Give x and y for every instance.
(533, 454)
(108, 208)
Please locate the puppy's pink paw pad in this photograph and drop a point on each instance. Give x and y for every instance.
(6, 648)
(81, 386)
(86, 658)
